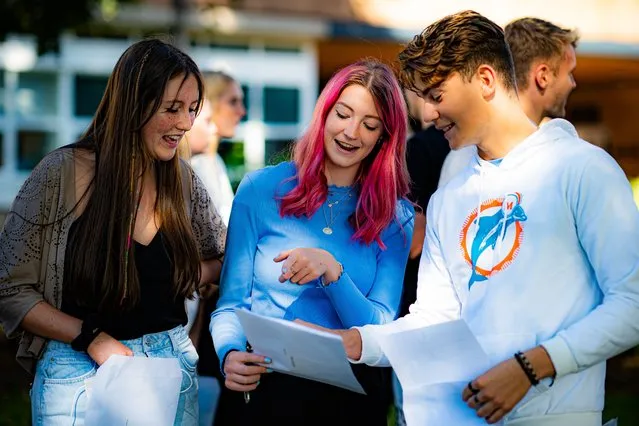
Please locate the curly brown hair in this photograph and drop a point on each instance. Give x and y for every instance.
(460, 43)
(533, 39)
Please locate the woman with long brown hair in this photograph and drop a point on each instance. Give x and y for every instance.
(108, 236)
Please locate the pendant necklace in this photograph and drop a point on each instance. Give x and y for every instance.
(328, 230)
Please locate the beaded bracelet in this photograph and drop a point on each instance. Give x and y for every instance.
(527, 367)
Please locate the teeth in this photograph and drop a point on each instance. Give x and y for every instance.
(347, 145)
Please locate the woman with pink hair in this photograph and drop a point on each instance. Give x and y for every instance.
(325, 239)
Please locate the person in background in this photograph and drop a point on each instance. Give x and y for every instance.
(535, 244)
(222, 110)
(545, 59)
(226, 110)
(323, 238)
(108, 236)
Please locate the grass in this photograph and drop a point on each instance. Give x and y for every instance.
(15, 407)
(622, 406)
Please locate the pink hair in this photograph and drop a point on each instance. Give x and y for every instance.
(383, 176)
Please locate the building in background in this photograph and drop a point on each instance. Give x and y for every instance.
(282, 52)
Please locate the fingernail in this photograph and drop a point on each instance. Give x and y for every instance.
(284, 270)
(269, 370)
(258, 383)
(267, 360)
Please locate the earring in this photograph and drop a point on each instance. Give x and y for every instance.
(379, 141)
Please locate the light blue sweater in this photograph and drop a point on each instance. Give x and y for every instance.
(368, 291)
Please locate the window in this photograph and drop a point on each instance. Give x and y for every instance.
(37, 94)
(88, 94)
(283, 49)
(245, 91)
(240, 47)
(281, 105)
(1, 149)
(277, 150)
(32, 147)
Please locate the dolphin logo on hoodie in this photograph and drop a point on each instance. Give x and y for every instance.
(493, 247)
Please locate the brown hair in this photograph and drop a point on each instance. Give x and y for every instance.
(456, 43)
(100, 278)
(532, 39)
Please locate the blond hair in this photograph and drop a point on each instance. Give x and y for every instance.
(216, 83)
(533, 39)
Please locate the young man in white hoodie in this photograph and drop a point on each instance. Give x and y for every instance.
(535, 244)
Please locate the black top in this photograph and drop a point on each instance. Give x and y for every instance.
(209, 364)
(425, 154)
(156, 311)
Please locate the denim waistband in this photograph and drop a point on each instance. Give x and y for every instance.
(149, 343)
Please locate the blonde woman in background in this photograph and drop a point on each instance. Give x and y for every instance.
(226, 102)
(222, 110)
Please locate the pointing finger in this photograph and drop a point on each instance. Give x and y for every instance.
(282, 255)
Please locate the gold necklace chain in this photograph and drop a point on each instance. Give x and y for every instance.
(328, 229)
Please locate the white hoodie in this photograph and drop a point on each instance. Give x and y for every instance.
(553, 260)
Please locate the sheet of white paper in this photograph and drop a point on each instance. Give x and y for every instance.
(433, 365)
(299, 350)
(135, 391)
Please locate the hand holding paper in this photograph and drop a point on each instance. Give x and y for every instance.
(104, 346)
(299, 350)
(243, 371)
(351, 339)
(135, 391)
(434, 364)
(498, 391)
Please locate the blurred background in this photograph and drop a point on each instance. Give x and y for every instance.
(56, 56)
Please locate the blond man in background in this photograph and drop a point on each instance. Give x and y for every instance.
(544, 57)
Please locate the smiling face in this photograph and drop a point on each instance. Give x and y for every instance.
(457, 107)
(163, 132)
(352, 129)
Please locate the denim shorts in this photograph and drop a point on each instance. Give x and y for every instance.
(58, 395)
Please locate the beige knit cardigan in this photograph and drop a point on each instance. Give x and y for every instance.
(32, 255)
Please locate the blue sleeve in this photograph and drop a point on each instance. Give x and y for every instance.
(381, 304)
(607, 223)
(237, 271)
